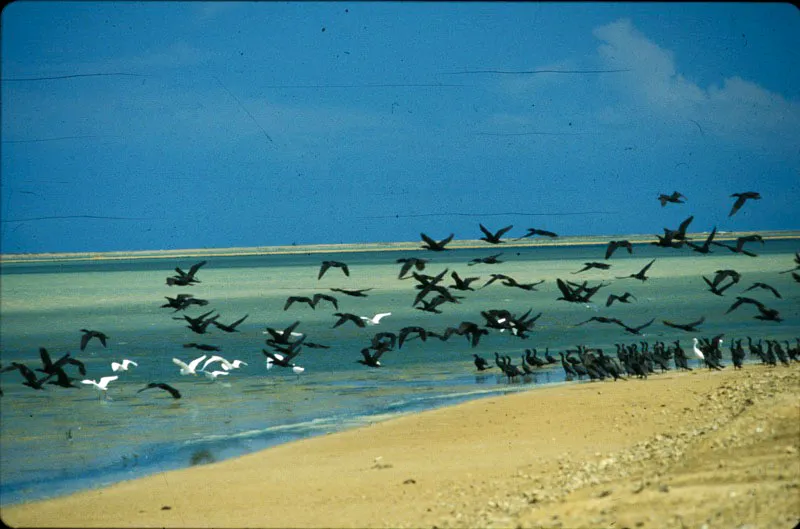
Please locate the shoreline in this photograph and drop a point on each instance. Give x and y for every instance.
(574, 455)
(587, 240)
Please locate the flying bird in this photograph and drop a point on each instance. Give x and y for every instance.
(688, 327)
(336, 264)
(493, 238)
(376, 319)
(462, 283)
(166, 387)
(433, 245)
(622, 299)
(185, 278)
(601, 266)
(354, 293)
(741, 198)
(766, 314)
(613, 245)
(346, 316)
(674, 198)
(88, 335)
(231, 327)
(411, 262)
(640, 275)
(191, 367)
(740, 242)
(492, 259)
(371, 360)
(763, 286)
(102, 385)
(534, 231)
(116, 366)
(705, 247)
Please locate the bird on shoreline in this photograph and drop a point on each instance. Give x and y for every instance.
(481, 363)
(741, 198)
(336, 264)
(435, 246)
(161, 385)
(88, 335)
(493, 238)
(674, 198)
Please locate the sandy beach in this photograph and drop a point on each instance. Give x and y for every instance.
(720, 449)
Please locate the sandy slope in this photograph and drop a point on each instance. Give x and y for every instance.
(720, 449)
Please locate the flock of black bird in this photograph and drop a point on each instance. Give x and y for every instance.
(433, 295)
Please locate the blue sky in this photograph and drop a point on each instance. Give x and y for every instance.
(250, 124)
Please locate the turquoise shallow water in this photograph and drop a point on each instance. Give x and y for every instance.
(45, 305)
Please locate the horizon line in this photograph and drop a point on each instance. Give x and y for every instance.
(320, 248)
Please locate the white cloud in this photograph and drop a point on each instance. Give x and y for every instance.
(738, 110)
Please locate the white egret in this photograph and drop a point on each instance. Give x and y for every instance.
(376, 319)
(101, 386)
(116, 366)
(191, 368)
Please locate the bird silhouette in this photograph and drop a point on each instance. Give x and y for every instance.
(346, 316)
(161, 385)
(705, 247)
(353, 293)
(534, 231)
(493, 238)
(492, 259)
(640, 275)
(674, 198)
(433, 245)
(622, 299)
(231, 327)
(185, 278)
(88, 335)
(336, 264)
(462, 283)
(601, 266)
(613, 245)
(688, 327)
(741, 199)
(763, 286)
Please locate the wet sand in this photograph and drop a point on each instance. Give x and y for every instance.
(675, 450)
